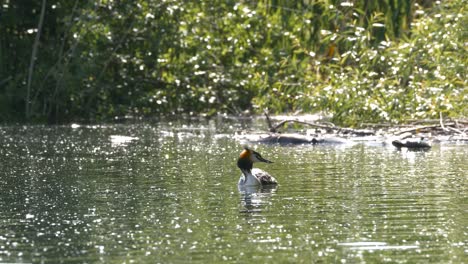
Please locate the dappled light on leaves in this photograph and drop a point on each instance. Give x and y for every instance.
(357, 60)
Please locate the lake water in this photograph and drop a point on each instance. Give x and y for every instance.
(168, 194)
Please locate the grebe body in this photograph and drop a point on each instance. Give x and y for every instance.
(253, 176)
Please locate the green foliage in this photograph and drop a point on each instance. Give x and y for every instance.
(374, 79)
(361, 61)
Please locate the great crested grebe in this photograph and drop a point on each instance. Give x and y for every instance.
(252, 176)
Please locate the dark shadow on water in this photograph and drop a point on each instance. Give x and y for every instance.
(413, 149)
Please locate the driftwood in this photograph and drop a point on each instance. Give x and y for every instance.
(429, 123)
(296, 139)
(438, 126)
(447, 127)
(408, 136)
(436, 121)
(329, 127)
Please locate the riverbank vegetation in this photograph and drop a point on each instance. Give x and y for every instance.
(359, 61)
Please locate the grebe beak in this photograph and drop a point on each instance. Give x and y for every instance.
(264, 160)
(260, 158)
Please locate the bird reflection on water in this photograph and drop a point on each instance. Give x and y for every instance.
(254, 198)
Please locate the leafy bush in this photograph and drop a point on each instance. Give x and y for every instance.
(361, 61)
(373, 80)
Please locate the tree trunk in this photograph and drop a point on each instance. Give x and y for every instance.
(33, 59)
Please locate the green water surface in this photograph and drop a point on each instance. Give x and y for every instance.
(85, 194)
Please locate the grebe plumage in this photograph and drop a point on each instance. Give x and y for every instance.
(251, 176)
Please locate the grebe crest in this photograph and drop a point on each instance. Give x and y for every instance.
(251, 176)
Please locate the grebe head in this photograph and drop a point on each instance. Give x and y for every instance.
(248, 157)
